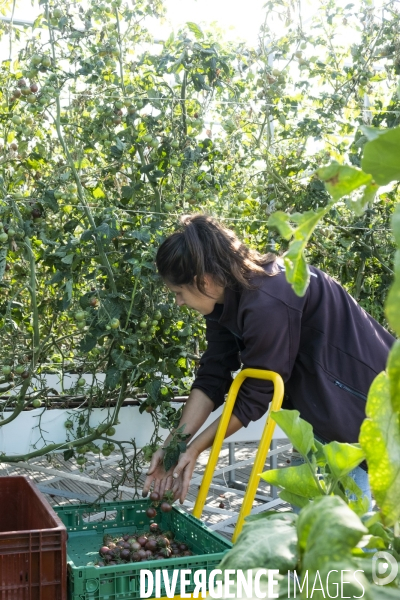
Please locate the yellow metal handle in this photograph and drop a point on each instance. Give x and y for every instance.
(262, 452)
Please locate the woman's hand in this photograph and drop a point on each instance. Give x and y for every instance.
(162, 479)
(182, 473)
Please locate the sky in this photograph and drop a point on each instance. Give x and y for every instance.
(229, 14)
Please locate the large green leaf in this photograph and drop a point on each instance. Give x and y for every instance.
(380, 440)
(393, 299)
(393, 369)
(340, 180)
(396, 224)
(269, 543)
(331, 515)
(294, 499)
(328, 530)
(280, 221)
(343, 458)
(299, 432)
(296, 480)
(297, 272)
(381, 157)
(366, 199)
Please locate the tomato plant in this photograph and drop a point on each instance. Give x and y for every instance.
(104, 144)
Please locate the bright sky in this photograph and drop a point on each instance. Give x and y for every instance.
(238, 19)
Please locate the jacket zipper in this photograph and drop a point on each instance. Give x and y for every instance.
(348, 389)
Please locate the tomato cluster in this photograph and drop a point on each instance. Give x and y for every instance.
(151, 545)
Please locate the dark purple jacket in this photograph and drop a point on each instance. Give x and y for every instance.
(325, 346)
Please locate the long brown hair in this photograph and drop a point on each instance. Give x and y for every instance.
(203, 246)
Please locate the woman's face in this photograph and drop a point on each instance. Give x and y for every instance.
(188, 295)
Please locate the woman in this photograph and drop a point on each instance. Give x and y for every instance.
(325, 346)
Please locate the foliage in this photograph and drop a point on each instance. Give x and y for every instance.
(333, 533)
(107, 138)
(325, 470)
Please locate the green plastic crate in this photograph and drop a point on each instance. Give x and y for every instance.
(117, 582)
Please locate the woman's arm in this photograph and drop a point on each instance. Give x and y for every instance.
(183, 471)
(197, 409)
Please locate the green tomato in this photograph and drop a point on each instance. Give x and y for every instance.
(114, 323)
(6, 369)
(81, 460)
(154, 143)
(111, 431)
(81, 382)
(168, 206)
(242, 196)
(69, 424)
(81, 324)
(46, 61)
(143, 324)
(3, 238)
(147, 138)
(157, 315)
(174, 162)
(80, 315)
(36, 59)
(175, 144)
(19, 369)
(36, 403)
(106, 451)
(16, 119)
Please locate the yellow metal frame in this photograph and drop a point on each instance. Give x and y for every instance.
(262, 451)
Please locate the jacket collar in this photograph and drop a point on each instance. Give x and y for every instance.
(226, 314)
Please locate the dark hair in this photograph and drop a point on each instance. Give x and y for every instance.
(203, 245)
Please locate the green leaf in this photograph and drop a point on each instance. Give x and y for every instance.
(343, 458)
(148, 168)
(296, 480)
(329, 521)
(98, 193)
(127, 192)
(340, 180)
(381, 157)
(280, 221)
(328, 530)
(361, 204)
(88, 343)
(297, 272)
(393, 298)
(50, 200)
(153, 389)
(87, 235)
(171, 457)
(269, 543)
(294, 499)
(297, 429)
(113, 376)
(393, 371)
(194, 28)
(68, 454)
(371, 133)
(380, 440)
(396, 224)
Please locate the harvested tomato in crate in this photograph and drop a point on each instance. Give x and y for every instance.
(89, 528)
(32, 544)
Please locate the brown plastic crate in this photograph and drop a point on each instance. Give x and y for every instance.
(33, 541)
